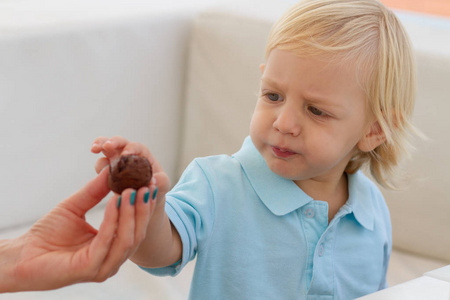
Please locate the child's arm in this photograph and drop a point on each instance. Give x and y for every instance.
(161, 245)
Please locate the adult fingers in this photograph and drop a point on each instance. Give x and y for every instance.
(124, 241)
(101, 244)
(89, 195)
(144, 210)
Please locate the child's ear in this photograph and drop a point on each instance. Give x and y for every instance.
(373, 138)
(262, 67)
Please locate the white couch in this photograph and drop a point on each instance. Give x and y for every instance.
(184, 84)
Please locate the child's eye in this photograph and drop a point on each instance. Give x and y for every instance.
(273, 97)
(317, 112)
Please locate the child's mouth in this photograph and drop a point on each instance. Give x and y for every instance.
(284, 153)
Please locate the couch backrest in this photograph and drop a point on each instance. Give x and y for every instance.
(223, 78)
(70, 77)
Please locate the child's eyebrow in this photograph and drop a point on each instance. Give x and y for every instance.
(334, 104)
(314, 98)
(271, 82)
(322, 100)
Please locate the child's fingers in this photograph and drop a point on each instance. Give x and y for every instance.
(136, 149)
(110, 147)
(142, 150)
(115, 146)
(163, 183)
(116, 143)
(100, 164)
(97, 145)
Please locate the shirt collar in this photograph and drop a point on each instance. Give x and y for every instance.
(280, 195)
(360, 199)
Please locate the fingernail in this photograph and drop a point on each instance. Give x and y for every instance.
(146, 196)
(155, 192)
(118, 201)
(132, 197)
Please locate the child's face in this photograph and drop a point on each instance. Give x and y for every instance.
(309, 118)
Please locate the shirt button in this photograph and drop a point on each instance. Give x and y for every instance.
(309, 213)
(321, 250)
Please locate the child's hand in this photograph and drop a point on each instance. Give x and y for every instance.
(161, 239)
(117, 146)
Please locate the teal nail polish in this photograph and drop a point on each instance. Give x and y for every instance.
(133, 197)
(146, 196)
(155, 192)
(118, 201)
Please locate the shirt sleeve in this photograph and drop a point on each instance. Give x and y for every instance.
(387, 253)
(388, 233)
(190, 208)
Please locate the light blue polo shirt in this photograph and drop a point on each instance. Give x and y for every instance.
(259, 236)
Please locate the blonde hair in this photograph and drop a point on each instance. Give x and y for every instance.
(367, 33)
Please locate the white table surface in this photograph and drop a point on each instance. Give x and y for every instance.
(433, 285)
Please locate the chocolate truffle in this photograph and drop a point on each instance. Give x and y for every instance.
(129, 171)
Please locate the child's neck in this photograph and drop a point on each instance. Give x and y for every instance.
(335, 193)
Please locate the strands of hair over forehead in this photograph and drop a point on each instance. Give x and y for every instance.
(367, 34)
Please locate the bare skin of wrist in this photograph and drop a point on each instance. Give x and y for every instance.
(162, 246)
(9, 252)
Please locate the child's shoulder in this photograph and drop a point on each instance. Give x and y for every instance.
(374, 192)
(361, 185)
(220, 158)
(217, 165)
(369, 201)
(217, 171)
(364, 182)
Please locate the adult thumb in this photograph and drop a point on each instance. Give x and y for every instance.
(89, 195)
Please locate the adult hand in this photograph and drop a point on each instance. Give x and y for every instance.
(62, 248)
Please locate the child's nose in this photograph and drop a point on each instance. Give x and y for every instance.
(288, 121)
